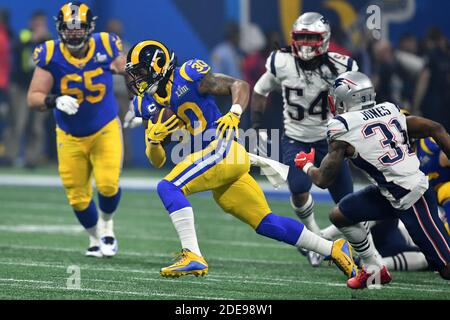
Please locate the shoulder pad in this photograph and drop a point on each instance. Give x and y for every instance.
(43, 53)
(112, 44)
(337, 127)
(194, 70)
(342, 62)
(276, 60)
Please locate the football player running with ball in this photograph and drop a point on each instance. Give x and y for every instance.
(304, 72)
(376, 139)
(73, 78)
(222, 163)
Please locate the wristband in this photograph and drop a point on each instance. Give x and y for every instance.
(50, 101)
(236, 109)
(307, 166)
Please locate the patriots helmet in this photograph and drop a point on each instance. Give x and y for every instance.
(351, 91)
(310, 36)
(75, 24)
(148, 63)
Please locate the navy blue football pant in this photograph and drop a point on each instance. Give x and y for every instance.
(299, 182)
(421, 220)
(389, 240)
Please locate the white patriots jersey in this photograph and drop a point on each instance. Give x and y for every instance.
(305, 93)
(379, 136)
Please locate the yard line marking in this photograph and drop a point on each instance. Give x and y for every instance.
(36, 228)
(24, 280)
(227, 277)
(159, 255)
(134, 293)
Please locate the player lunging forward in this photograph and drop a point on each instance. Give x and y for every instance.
(304, 72)
(73, 78)
(221, 165)
(375, 138)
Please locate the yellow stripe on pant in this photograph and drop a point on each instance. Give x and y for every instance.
(99, 154)
(234, 189)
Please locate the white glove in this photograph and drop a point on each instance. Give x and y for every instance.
(130, 120)
(67, 104)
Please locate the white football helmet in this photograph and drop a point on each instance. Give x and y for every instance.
(351, 91)
(310, 36)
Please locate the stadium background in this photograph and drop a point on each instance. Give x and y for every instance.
(195, 28)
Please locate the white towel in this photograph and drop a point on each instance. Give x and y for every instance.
(274, 171)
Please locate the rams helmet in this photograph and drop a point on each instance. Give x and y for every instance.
(351, 91)
(148, 62)
(310, 36)
(75, 24)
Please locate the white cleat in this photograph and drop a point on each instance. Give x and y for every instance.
(108, 246)
(314, 258)
(94, 251)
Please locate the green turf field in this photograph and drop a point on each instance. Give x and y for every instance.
(40, 239)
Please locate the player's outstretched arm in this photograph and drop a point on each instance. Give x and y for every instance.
(222, 85)
(419, 127)
(324, 176)
(40, 86)
(219, 84)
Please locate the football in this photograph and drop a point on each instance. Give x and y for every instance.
(166, 114)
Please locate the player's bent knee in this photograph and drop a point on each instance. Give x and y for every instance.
(171, 196)
(280, 228)
(80, 205)
(445, 272)
(338, 219)
(299, 199)
(108, 190)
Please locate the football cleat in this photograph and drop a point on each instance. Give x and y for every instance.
(341, 254)
(186, 262)
(314, 258)
(108, 246)
(363, 277)
(94, 251)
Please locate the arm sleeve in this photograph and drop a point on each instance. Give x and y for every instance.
(266, 84)
(194, 70)
(42, 54)
(116, 45)
(337, 129)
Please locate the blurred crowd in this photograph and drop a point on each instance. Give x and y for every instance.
(415, 74)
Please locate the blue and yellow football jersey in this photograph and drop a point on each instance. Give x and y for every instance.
(428, 152)
(89, 80)
(197, 112)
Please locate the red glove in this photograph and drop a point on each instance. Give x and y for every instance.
(305, 160)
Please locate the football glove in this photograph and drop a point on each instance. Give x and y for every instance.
(130, 120)
(305, 160)
(230, 122)
(158, 131)
(67, 104)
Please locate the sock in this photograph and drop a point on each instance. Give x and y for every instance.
(109, 204)
(312, 242)
(88, 218)
(331, 232)
(406, 261)
(183, 221)
(306, 215)
(361, 240)
(280, 228)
